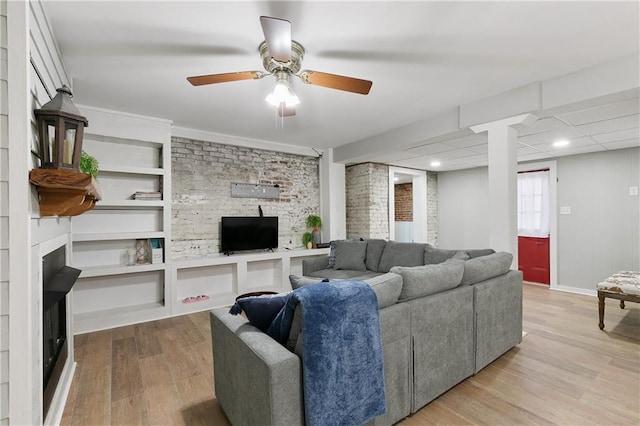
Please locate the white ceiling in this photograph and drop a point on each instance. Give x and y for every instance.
(610, 126)
(423, 58)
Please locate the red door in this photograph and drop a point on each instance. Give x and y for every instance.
(533, 259)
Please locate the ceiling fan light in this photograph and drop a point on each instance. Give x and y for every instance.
(292, 100)
(282, 93)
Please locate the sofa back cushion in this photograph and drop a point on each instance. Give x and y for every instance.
(374, 253)
(420, 281)
(351, 255)
(387, 288)
(473, 253)
(401, 254)
(485, 267)
(433, 255)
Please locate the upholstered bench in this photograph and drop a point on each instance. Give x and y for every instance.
(624, 286)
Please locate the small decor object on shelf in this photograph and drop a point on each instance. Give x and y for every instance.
(89, 164)
(142, 251)
(62, 188)
(193, 299)
(60, 131)
(314, 223)
(156, 250)
(306, 240)
(130, 257)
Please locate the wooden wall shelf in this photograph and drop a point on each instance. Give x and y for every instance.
(64, 192)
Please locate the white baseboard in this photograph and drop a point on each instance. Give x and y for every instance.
(575, 290)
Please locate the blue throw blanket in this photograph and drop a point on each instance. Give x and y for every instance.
(343, 375)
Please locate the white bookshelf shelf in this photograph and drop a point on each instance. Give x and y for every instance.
(109, 318)
(215, 300)
(129, 204)
(134, 153)
(222, 259)
(114, 236)
(105, 270)
(131, 170)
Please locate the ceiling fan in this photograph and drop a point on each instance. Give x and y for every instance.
(282, 58)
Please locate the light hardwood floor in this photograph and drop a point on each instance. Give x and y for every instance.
(566, 372)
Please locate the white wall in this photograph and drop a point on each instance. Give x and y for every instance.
(600, 237)
(463, 209)
(4, 223)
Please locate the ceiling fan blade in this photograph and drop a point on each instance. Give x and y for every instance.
(285, 111)
(200, 80)
(277, 34)
(339, 82)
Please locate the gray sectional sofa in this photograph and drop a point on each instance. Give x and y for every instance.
(444, 314)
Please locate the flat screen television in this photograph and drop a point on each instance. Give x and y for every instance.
(239, 233)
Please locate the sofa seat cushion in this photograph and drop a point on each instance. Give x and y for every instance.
(420, 281)
(350, 255)
(343, 274)
(387, 286)
(484, 267)
(401, 254)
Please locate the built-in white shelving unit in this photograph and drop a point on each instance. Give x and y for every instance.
(221, 278)
(134, 155)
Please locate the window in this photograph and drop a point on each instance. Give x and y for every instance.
(533, 204)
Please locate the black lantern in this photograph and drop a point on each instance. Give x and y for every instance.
(60, 129)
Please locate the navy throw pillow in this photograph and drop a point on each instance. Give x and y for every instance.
(260, 310)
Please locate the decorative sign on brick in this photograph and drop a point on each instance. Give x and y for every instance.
(254, 190)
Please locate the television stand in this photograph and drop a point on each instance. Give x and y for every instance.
(223, 277)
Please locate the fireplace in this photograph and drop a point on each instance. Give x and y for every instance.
(57, 281)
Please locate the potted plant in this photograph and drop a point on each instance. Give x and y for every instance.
(314, 223)
(89, 164)
(307, 240)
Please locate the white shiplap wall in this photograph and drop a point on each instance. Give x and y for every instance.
(47, 73)
(4, 222)
(24, 35)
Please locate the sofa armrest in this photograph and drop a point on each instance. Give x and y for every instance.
(498, 316)
(257, 380)
(314, 264)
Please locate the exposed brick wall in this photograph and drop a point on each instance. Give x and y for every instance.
(202, 173)
(367, 199)
(367, 196)
(403, 202)
(432, 208)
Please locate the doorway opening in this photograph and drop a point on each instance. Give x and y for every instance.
(407, 205)
(537, 223)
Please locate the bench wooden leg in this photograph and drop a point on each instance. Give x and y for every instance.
(601, 298)
(622, 304)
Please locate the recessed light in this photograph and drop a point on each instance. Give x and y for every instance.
(435, 163)
(395, 179)
(561, 143)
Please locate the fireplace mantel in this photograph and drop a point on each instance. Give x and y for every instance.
(64, 192)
